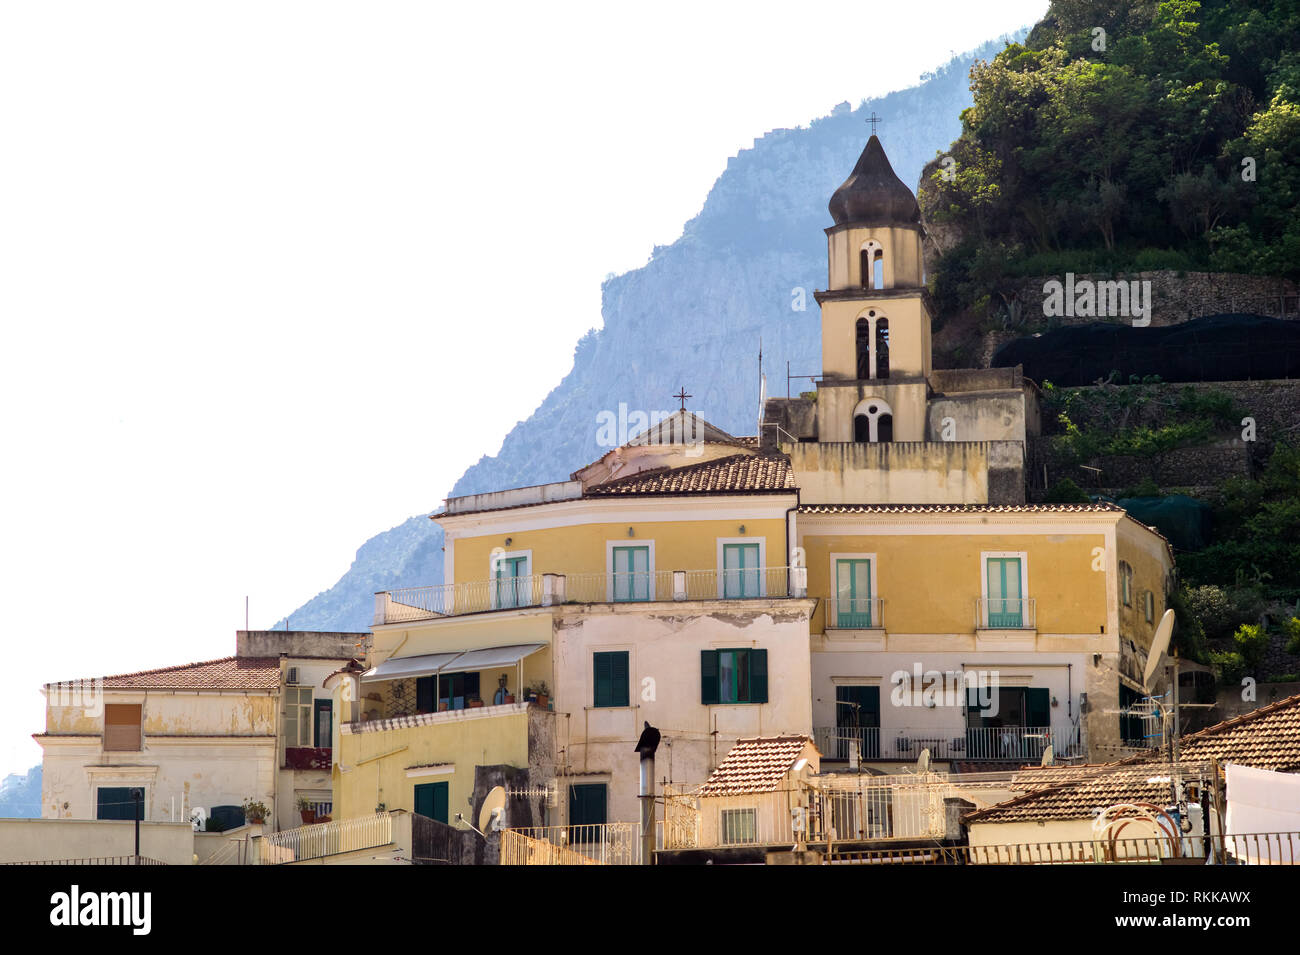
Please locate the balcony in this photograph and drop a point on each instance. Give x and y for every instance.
(857, 613)
(327, 839)
(616, 843)
(307, 757)
(549, 590)
(974, 744)
(1005, 613)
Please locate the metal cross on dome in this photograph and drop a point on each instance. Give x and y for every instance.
(682, 396)
(873, 119)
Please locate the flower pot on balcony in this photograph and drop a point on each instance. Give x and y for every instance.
(308, 816)
(442, 707)
(510, 697)
(475, 704)
(542, 700)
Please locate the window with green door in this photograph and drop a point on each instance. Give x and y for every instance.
(741, 570)
(853, 591)
(1004, 591)
(733, 676)
(630, 573)
(511, 583)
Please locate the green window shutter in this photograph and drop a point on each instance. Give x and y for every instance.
(757, 676)
(619, 679)
(1038, 707)
(709, 676)
(600, 679)
(587, 804)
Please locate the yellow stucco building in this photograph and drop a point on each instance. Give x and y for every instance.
(866, 571)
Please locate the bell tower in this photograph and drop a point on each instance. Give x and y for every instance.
(875, 320)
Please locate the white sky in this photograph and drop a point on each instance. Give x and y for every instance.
(273, 274)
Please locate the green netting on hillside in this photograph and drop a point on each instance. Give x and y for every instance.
(1214, 348)
(1186, 521)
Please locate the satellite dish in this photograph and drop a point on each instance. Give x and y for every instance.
(923, 761)
(1159, 646)
(1049, 756)
(493, 811)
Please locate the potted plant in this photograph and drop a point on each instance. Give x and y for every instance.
(255, 811)
(306, 810)
(475, 702)
(540, 694)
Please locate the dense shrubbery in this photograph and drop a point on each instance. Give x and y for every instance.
(1074, 158)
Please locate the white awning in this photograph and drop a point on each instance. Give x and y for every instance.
(493, 657)
(456, 661)
(396, 669)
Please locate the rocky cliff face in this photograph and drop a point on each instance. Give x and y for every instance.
(691, 316)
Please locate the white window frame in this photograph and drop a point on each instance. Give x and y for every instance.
(492, 576)
(833, 612)
(609, 567)
(308, 724)
(762, 562)
(985, 556)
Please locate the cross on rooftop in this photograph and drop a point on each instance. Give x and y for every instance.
(873, 119)
(682, 396)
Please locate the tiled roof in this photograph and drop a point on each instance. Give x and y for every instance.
(755, 766)
(1099, 507)
(737, 473)
(239, 673)
(1266, 738)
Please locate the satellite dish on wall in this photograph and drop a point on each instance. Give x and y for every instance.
(923, 761)
(1159, 646)
(492, 815)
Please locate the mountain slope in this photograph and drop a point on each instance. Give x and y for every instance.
(691, 316)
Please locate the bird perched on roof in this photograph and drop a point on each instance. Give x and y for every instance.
(649, 741)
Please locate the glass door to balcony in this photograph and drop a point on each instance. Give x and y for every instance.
(857, 717)
(631, 573)
(1008, 722)
(852, 594)
(1005, 603)
(511, 588)
(741, 576)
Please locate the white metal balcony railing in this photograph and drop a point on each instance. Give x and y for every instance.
(546, 590)
(615, 843)
(326, 839)
(981, 743)
(857, 613)
(855, 808)
(1005, 613)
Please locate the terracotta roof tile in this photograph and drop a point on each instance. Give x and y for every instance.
(755, 766)
(249, 673)
(737, 473)
(1266, 738)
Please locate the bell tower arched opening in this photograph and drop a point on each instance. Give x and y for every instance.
(873, 421)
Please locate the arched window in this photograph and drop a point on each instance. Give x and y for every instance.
(882, 348)
(873, 420)
(871, 345)
(871, 265)
(864, 348)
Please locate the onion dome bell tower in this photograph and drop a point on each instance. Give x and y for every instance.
(875, 320)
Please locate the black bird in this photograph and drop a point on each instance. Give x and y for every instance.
(649, 741)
